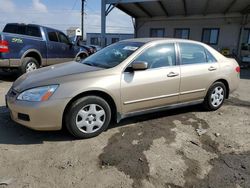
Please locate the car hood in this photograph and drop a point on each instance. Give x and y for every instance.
(51, 74)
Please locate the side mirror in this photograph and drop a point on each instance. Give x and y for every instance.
(139, 65)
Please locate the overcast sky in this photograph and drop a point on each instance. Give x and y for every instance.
(62, 14)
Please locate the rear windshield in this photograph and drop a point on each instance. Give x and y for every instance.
(23, 30)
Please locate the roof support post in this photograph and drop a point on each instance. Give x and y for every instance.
(103, 23)
(243, 23)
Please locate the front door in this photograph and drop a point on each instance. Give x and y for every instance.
(68, 52)
(155, 87)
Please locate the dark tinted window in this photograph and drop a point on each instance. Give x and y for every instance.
(23, 30)
(63, 38)
(114, 40)
(9, 28)
(210, 36)
(94, 41)
(33, 31)
(160, 32)
(162, 55)
(192, 53)
(17, 29)
(181, 33)
(53, 36)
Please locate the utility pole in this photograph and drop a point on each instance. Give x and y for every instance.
(82, 21)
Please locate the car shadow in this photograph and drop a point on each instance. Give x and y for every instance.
(158, 115)
(15, 134)
(9, 76)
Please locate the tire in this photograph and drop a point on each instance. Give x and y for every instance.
(215, 96)
(29, 64)
(80, 57)
(88, 117)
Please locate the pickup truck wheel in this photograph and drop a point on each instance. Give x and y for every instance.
(88, 117)
(29, 64)
(80, 57)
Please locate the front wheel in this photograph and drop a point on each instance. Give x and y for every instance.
(80, 57)
(215, 96)
(88, 117)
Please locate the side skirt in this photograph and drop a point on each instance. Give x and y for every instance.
(157, 109)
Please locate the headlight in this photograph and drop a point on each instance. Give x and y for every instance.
(37, 94)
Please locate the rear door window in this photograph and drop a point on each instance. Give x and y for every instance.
(192, 54)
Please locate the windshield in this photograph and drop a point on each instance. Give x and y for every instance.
(112, 55)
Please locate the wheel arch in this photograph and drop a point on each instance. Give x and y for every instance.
(225, 82)
(33, 53)
(80, 54)
(98, 93)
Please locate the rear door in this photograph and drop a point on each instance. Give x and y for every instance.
(198, 70)
(155, 87)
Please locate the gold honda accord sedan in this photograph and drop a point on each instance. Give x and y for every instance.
(127, 78)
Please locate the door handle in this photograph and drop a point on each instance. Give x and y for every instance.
(212, 68)
(172, 74)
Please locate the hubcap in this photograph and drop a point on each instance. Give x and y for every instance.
(31, 66)
(217, 96)
(90, 118)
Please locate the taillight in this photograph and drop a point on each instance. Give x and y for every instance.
(4, 46)
(237, 69)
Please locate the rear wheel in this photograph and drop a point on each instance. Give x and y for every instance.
(29, 64)
(215, 96)
(88, 117)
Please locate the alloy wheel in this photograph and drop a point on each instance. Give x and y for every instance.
(90, 118)
(31, 66)
(217, 96)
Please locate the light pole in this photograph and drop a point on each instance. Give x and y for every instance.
(82, 19)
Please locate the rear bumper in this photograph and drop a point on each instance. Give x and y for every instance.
(10, 63)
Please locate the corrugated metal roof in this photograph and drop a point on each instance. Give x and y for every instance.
(168, 8)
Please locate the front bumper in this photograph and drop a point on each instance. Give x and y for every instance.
(42, 116)
(10, 63)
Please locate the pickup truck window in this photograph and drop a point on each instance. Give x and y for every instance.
(33, 31)
(63, 38)
(53, 36)
(22, 30)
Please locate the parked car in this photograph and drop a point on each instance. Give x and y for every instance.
(97, 48)
(78, 41)
(28, 47)
(127, 78)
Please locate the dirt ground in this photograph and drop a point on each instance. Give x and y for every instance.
(156, 150)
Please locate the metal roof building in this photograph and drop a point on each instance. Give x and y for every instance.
(220, 23)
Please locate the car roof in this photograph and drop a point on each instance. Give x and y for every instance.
(153, 40)
(148, 40)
